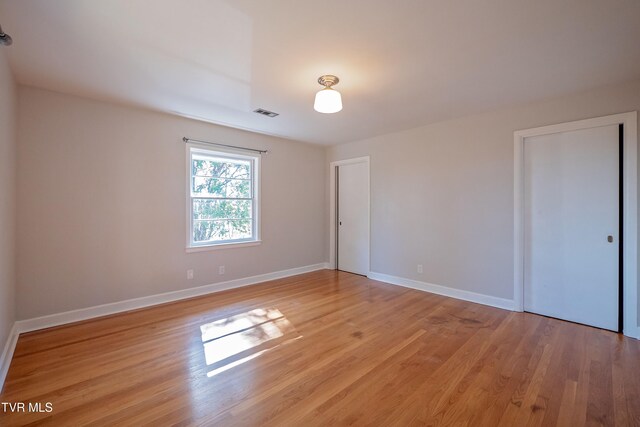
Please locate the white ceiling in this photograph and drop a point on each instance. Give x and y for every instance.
(401, 63)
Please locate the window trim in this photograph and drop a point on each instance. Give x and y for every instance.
(192, 246)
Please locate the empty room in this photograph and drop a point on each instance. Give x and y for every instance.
(290, 213)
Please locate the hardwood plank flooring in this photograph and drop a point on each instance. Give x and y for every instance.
(325, 348)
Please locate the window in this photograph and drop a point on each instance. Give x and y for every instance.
(223, 197)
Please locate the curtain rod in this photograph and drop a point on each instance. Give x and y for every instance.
(185, 139)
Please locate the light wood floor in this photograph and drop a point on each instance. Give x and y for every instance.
(322, 349)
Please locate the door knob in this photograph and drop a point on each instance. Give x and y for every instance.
(610, 239)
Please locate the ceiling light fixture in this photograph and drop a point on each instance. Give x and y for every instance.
(328, 100)
(5, 39)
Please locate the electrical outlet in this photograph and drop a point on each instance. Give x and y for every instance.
(189, 274)
(221, 269)
(420, 268)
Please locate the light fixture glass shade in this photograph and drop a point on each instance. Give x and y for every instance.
(328, 101)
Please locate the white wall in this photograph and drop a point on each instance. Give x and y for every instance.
(442, 194)
(7, 198)
(101, 203)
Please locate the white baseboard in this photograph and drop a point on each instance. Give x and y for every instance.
(142, 302)
(7, 353)
(503, 303)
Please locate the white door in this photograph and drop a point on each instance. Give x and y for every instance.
(353, 218)
(571, 208)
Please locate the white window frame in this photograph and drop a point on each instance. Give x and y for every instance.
(255, 184)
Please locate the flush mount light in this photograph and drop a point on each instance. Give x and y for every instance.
(5, 39)
(328, 100)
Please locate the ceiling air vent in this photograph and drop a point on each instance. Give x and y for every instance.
(265, 112)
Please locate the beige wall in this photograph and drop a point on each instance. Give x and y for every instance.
(442, 194)
(7, 199)
(102, 215)
(102, 204)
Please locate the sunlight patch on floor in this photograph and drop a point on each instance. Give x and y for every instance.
(228, 342)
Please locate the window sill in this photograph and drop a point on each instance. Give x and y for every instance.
(219, 246)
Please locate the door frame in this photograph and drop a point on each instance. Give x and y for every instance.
(630, 209)
(333, 205)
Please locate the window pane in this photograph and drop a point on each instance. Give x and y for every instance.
(221, 196)
(221, 209)
(215, 230)
(221, 187)
(221, 168)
